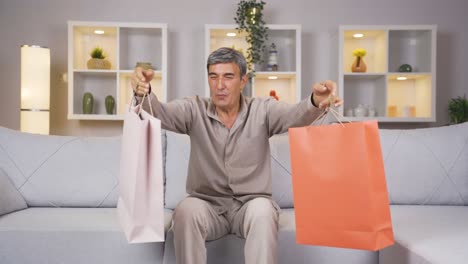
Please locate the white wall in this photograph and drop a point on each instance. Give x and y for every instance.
(44, 23)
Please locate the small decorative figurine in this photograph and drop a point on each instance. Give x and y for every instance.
(405, 68)
(274, 95)
(272, 58)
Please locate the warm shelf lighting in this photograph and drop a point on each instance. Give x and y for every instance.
(231, 34)
(358, 35)
(99, 31)
(401, 78)
(35, 89)
(273, 77)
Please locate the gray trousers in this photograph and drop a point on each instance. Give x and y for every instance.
(196, 221)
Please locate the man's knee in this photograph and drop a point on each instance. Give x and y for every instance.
(262, 216)
(261, 208)
(191, 211)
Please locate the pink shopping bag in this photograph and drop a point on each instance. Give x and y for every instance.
(140, 206)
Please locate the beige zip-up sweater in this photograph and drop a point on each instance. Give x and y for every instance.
(227, 164)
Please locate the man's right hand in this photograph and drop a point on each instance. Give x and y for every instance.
(141, 79)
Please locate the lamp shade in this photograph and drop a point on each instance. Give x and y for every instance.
(35, 89)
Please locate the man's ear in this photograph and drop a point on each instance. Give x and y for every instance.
(244, 81)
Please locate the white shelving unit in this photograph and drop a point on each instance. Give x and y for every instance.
(124, 45)
(388, 47)
(287, 39)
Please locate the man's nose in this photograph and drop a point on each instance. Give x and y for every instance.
(220, 83)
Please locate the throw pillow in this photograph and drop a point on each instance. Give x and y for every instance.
(10, 198)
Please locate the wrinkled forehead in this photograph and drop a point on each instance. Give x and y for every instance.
(224, 68)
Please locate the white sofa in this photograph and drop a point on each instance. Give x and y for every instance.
(58, 196)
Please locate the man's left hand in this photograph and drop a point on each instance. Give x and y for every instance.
(324, 93)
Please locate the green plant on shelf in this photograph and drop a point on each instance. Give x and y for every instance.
(98, 60)
(458, 110)
(97, 53)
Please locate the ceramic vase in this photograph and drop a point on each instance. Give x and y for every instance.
(110, 104)
(88, 103)
(359, 65)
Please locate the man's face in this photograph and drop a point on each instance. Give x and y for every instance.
(226, 84)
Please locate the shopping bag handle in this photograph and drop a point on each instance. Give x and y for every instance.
(141, 104)
(339, 117)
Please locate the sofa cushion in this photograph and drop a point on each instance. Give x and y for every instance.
(230, 249)
(71, 235)
(281, 171)
(178, 153)
(84, 168)
(10, 199)
(177, 159)
(427, 166)
(428, 234)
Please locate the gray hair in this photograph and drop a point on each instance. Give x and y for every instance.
(226, 55)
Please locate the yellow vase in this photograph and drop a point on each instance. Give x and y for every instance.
(359, 65)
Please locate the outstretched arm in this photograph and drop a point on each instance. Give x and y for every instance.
(281, 116)
(175, 116)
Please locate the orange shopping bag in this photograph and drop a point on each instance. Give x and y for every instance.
(340, 192)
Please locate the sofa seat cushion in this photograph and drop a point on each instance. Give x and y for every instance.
(428, 234)
(230, 249)
(71, 235)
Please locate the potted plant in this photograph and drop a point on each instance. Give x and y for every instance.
(458, 110)
(98, 60)
(249, 18)
(358, 64)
